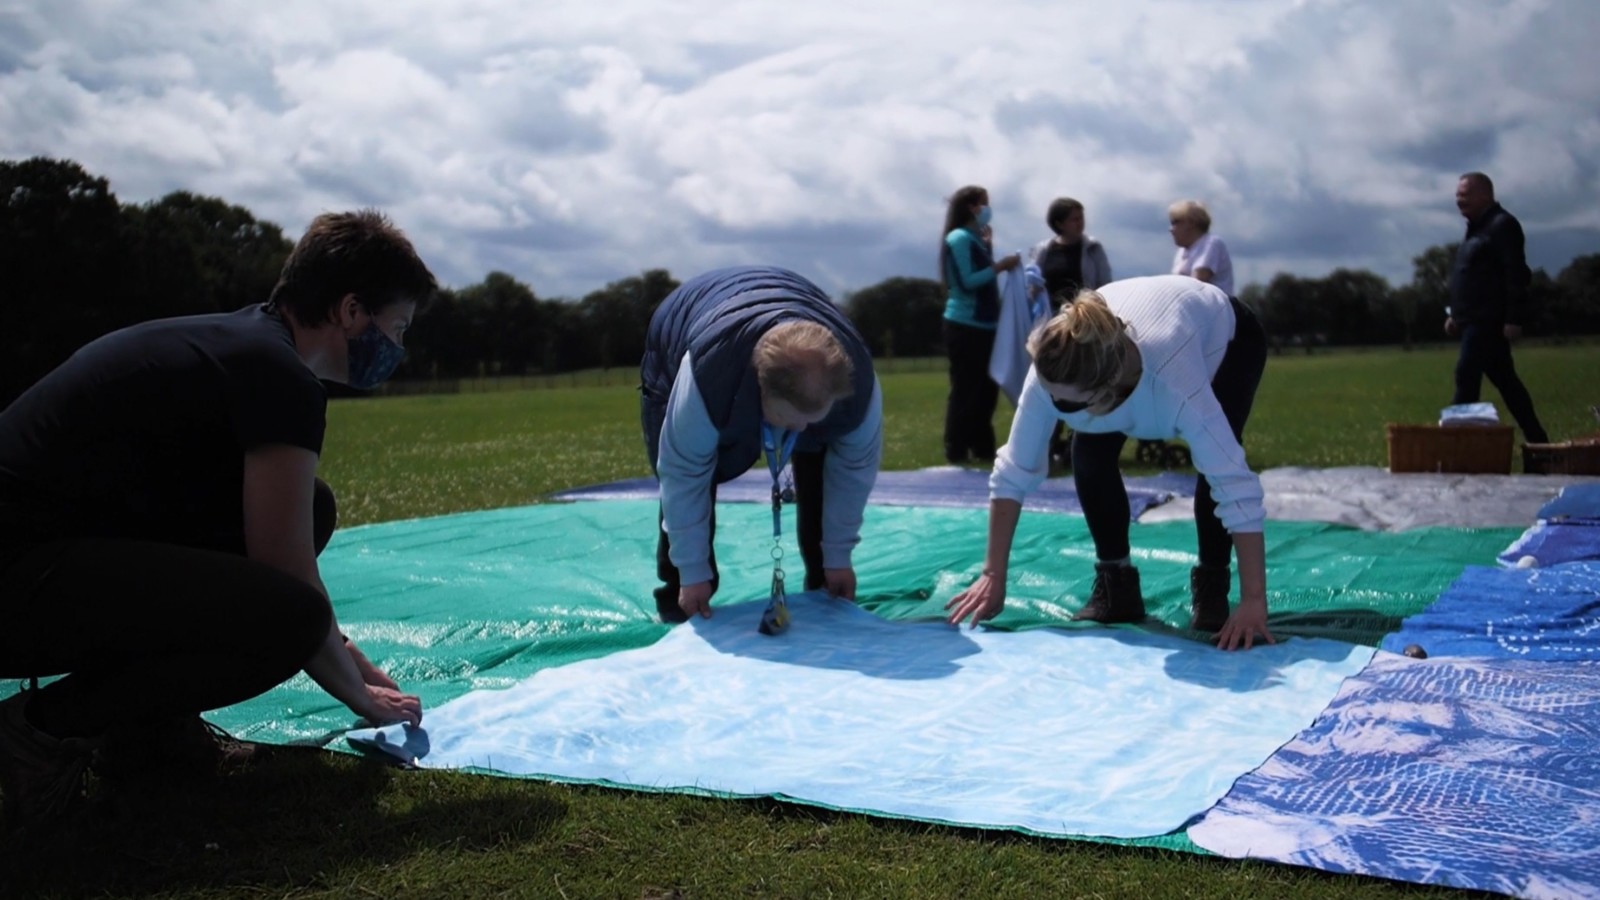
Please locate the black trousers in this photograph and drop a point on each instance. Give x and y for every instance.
(145, 630)
(1485, 351)
(807, 468)
(1098, 477)
(969, 411)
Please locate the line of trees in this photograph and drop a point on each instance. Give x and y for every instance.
(77, 263)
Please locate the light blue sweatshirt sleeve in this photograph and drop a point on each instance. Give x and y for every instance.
(686, 464)
(960, 241)
(849, 471)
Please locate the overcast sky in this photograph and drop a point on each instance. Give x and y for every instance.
(575, 143)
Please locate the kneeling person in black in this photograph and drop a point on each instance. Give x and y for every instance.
(160, 515)
(737, 360)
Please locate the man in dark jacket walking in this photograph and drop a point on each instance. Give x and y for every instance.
(1488, 300)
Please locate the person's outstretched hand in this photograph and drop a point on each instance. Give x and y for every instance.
(983, 600)
(695, 599)
(386, 706)
(1248, 620)
(840, 583)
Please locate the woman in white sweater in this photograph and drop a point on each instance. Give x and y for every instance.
(1153, 358)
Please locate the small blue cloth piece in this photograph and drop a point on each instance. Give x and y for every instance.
(1474, 773)
(1551, 543)
(1541, 614)
(1576, 501)
(944, 487)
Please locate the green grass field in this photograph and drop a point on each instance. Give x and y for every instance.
(313, 824)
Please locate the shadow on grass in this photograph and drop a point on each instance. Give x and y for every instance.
(297, 818)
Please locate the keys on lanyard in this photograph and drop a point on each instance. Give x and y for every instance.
(775, 619)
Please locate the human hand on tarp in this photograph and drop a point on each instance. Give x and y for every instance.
(695, 599)
(387, 706)
(1246, 621)
(983, 600)
(840, 583)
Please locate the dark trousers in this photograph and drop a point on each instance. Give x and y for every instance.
(144, 630)
(1098, 477)
(969, 411)
(807, 468)
(1485, 351)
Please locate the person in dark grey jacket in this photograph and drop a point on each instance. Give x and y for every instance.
(1488, 301)
(1069, 260)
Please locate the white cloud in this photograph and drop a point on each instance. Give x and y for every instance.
(572, 144)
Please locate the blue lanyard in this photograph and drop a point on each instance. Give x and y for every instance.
(776, 458)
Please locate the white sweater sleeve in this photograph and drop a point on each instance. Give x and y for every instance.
(1221, 462)
(1024, 462)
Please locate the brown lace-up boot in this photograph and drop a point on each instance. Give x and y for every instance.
(173, 746)
(1115, 598)
(41, 776)
(1208, 597)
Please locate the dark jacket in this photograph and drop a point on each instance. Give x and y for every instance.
(718, 317)
(1490, 277)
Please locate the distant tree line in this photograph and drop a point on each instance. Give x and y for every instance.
(76, 263)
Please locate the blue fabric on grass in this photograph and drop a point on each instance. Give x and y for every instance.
(1472, 773)
(1543, 614)
(1022, 730)
(1576, 501)
(1557, 541)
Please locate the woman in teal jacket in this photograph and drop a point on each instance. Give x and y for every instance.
(967, 269)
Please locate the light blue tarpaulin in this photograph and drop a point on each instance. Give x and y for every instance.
(1115, 732)
(1473, 773)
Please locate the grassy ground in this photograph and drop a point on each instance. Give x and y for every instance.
(310, 824)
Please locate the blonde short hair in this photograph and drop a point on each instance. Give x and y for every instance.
(1082, 345)
(1192, 210)
(803, 364)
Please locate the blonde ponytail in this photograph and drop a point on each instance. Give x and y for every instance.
(1082, 345)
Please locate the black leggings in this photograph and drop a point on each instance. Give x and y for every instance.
(807, 467)
(1098, 477)
(146, 630)
(969, 411)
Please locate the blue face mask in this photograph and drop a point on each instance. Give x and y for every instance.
(984, 215)
(373, 358)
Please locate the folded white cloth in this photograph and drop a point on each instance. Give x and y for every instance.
(1469, 414)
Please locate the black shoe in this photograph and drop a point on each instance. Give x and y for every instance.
(1115, 598)
(1208, 597)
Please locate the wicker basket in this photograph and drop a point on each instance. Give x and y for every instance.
(1576, 457)
(1473, 449)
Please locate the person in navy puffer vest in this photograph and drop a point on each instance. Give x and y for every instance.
(742, 358)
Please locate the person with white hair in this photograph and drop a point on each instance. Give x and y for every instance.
(746, 360)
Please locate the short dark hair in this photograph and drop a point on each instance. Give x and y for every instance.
(359, 253)
(1060, 209)
(1481, 179)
